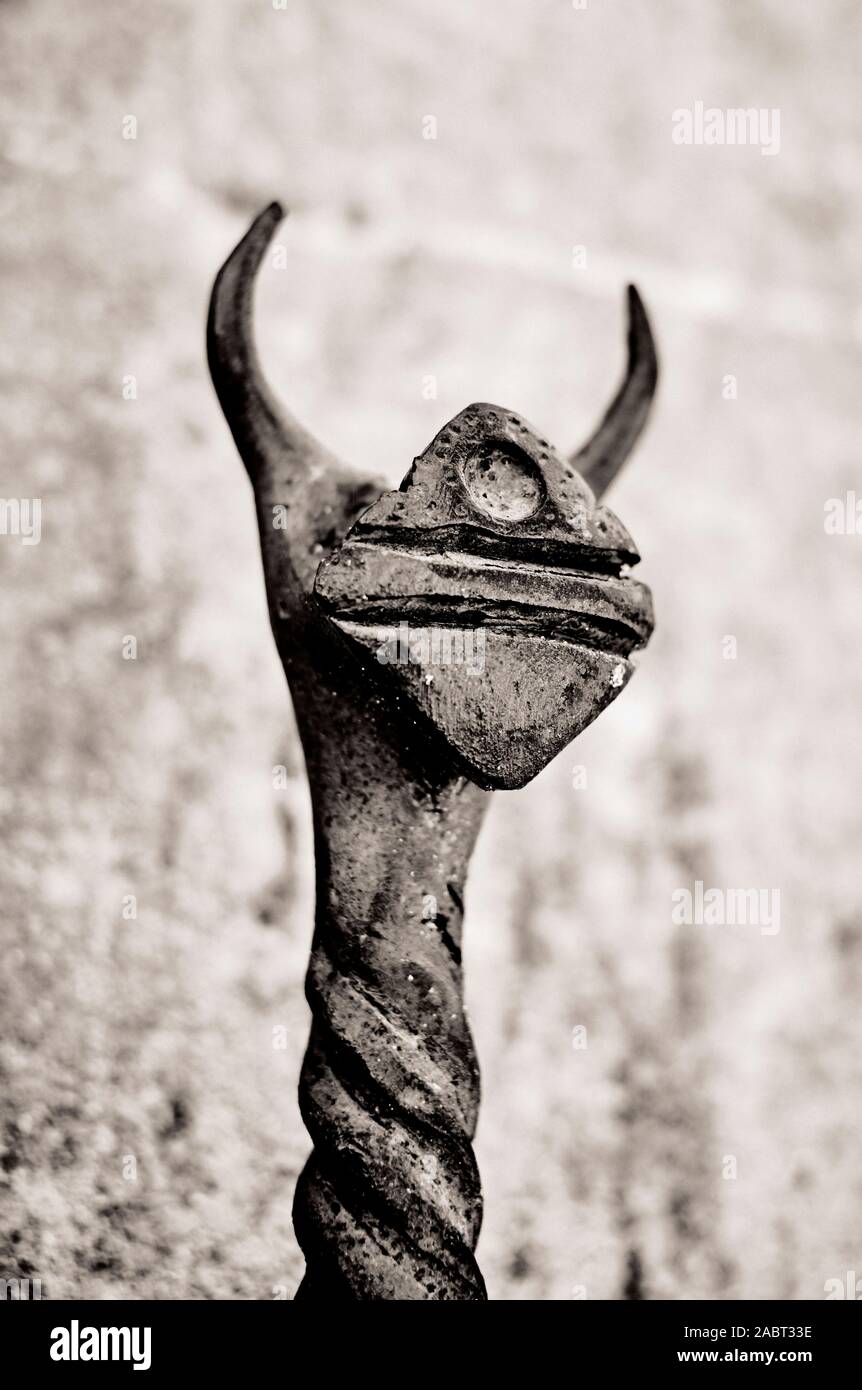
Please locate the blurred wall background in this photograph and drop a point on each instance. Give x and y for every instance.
(150, 1134)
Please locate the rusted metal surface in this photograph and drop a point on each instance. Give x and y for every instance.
(439, 640)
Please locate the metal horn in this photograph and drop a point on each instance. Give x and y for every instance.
(601, 458)
(287, 466)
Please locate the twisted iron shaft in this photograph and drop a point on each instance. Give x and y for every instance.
(389, 1204)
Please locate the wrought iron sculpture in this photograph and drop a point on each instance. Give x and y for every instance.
(493, 540)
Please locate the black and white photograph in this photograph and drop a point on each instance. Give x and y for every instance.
(431, 559)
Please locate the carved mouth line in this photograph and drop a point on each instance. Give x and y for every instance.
(375, 585)
(471, 543)
(582, 629)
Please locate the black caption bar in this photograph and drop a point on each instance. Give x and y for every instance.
(156, 1339)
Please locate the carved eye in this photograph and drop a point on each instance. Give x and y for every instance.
(503, 483)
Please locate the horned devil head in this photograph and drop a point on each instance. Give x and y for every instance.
(491, 588)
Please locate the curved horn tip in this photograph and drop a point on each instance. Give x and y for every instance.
(600, 459)
(641, 343)
(251, 247)
(229, 318)
(251, 413)
(268, 219)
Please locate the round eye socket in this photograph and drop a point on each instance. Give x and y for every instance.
(506, 486)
